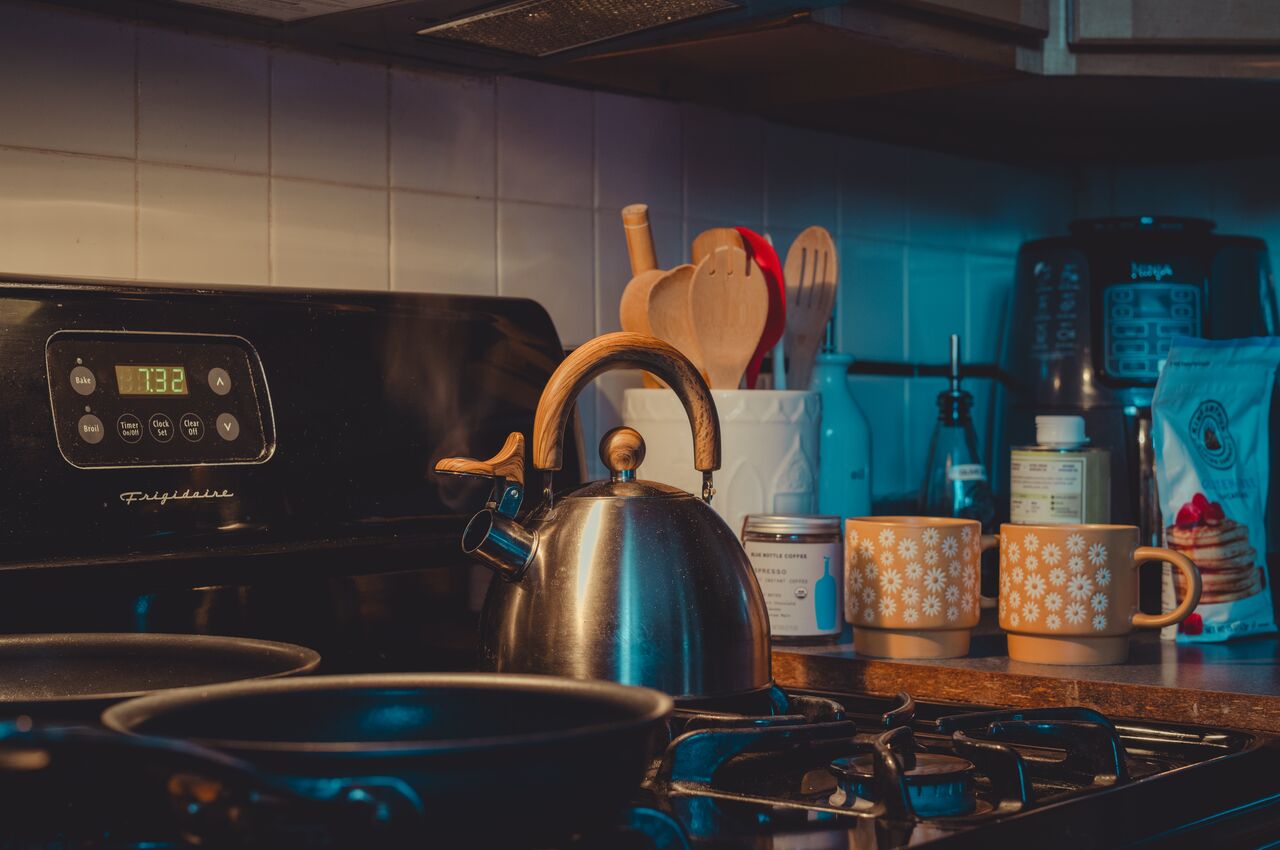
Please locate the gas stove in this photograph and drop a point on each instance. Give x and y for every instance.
(832, 770)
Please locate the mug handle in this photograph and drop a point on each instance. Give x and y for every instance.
(988, 541)
(1189, 572)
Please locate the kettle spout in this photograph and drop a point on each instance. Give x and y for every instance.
(500, 543)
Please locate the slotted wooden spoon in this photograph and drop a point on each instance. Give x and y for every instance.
(729, 305)
(811, 294)
(716, 237)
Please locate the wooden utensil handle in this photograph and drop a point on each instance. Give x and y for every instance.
(635, 222)
(508, 463)
(1190, 576)
(624, 350)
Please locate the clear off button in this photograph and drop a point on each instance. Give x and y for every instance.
(192, 427)
(90, 429)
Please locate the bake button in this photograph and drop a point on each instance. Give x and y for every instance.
(219, 381)
(83, 380)
(90, 429)
(129, 427)
(228, 426)
(191, 427)
(161, 427)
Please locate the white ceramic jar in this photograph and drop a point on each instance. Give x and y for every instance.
(769, 448)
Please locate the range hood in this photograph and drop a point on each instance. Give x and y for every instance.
(506, 37)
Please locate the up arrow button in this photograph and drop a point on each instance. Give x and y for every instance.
(219, 381)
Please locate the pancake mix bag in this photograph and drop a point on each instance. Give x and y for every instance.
(1211, 424)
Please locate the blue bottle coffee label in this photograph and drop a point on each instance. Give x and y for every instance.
(802, 585)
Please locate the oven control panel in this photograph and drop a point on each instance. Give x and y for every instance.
(123, 399)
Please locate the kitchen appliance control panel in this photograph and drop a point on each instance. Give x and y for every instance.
(124, 399)
(1141, 321)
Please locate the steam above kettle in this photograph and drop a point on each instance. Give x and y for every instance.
(628, 580)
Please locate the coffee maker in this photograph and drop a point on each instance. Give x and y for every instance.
(1092, 319)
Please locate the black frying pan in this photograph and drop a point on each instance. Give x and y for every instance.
(425, 760)
(75, 676)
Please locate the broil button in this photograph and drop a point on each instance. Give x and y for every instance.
(227, 426)
(192, 427)
(161, 427)
(129, 427)
(90, 429)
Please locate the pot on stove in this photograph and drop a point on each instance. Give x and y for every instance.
(628, 580)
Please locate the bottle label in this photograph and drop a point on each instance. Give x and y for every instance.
(802, 585)
(967, 472)
(1046, 488)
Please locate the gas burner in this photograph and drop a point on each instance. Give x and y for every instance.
(937, 785)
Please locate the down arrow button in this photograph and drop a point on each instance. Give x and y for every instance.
(227, 426)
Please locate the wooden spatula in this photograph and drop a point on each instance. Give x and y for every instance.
(811, 294)
(717, 237)
(728, 304)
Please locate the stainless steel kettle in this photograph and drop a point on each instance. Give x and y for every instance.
(628, 580)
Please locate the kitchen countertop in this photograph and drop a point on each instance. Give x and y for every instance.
(1233, 684)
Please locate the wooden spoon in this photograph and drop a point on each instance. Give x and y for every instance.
(633, 310)
(717, 237)
(669, 315)
(811, 294)
(729, 305)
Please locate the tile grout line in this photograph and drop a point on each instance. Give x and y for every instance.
(137, 134)
(387, 104)
(497, 190)
(271, 118)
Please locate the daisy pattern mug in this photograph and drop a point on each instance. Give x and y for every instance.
(1069, 593)
(911, 584)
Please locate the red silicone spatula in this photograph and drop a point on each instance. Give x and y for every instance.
(767, 259)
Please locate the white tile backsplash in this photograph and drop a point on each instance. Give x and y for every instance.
(545, 253)
(202, 101)
(201, 226)
(328, 236)
(328, 119)
(217, 161)
(545, 143)
(443, 243)
(638, 148)
(66, 81)
(723, 167)
(442, 133)
(66, 215)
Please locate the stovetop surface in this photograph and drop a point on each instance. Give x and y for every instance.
(856, 771)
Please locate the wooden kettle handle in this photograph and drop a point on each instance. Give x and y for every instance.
(624, 350)
(508, 463)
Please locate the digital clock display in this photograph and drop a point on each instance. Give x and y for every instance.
(140, 379)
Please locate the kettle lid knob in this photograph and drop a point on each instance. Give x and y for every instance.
(622, 451)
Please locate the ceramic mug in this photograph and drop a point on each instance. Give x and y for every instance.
(911, 584)
(1069, 593)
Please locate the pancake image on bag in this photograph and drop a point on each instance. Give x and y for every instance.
(1220, 548)
(1211, 432)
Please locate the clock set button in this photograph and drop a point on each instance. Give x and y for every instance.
(161, 427)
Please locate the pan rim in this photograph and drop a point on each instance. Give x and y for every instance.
(650, 706)
(304, 658)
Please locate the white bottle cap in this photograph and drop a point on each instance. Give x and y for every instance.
(1060, 431)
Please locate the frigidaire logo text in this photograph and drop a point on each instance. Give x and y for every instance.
(131, 496)
(1150, 271)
